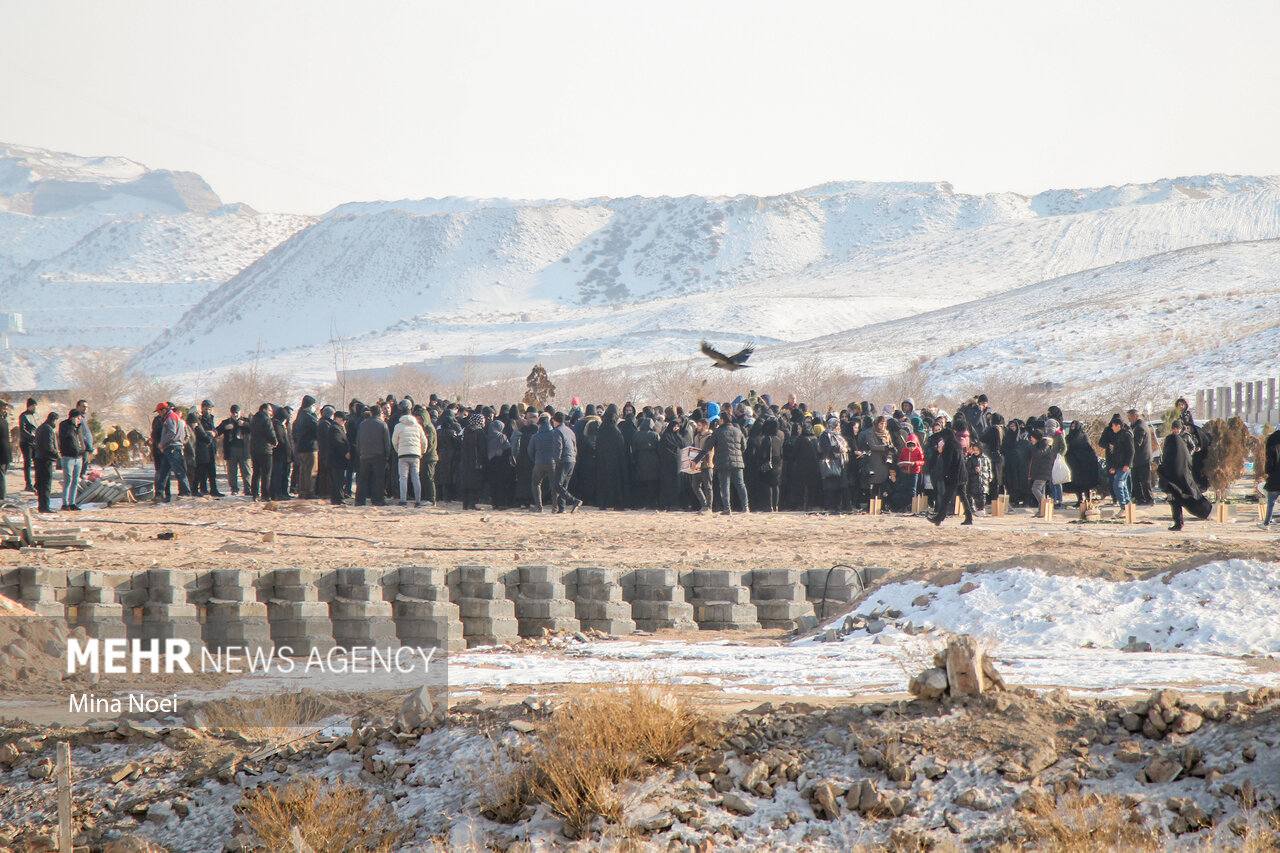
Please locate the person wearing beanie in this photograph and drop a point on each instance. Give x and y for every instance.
(27, 442)
(306, 432)
(324, 430)
(338, 450)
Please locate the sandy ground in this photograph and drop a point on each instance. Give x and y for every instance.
(234, 532)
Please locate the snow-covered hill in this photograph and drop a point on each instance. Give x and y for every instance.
(646, 278)
(105, 253)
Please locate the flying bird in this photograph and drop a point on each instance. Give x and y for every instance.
(737, 361)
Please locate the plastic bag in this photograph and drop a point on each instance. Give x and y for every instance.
(1061, 471)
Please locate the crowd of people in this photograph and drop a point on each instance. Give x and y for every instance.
(748, 455)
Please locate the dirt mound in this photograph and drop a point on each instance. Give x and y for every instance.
(32, 647)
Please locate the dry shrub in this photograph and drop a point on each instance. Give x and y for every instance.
(1014, 397)
(333, 817)
(822, 386)
(1224, 461)
(1088, 824)
(250, 387)
(589, 745)
(102, 378)
(272, 718)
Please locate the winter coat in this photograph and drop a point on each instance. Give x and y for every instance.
(284, 440)
(1119, 447)
(203, 443)
(1175, 470)
(337, 448)
(70, 442)
(911, 459)
(409, 440)
(174, 434)
(232, 431)
(1141, 433)
(1041, 461)
(644, 447)
(6, 443)
(262, 435)
(876, 462)
(431, 452)
(47, 442)
(730, 445)
(546, 446)
(1271, 463)
(305, 431)
(26, 429)
(569, 447)
(372, 439)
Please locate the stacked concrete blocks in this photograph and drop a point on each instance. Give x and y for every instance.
(657, 600)
(488, 616)
(99, 612)
(425, 617)
(780, 597)
(43, 591)
(721, 601)
(360, 612)
(598, 596)
(833, 591)
(299, 619)
(234, 617)
(541, 601)
(167, 614)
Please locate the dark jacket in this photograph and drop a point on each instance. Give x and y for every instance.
(1141, 443)
(729, 446)
(569, 448)
(233, 432)
(284, 441)
(1271, 462)
(6, 443)
(948, 464)
(337, 447)
(26, 429)
(1041, 460)
(70, 441)
(546, 446)
(47, 442)
(203, 442)
(613, 463)
(1119, 447)
(373, 439)
(262, 434)
(305, 431)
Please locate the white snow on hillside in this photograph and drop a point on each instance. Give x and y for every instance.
(101, 252)
(645, 279)
(1184, 319)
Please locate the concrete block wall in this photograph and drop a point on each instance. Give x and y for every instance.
(422, 606)
(598, 598)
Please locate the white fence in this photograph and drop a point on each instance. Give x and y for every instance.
(1255, 402)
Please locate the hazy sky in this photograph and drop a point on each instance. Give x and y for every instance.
(299, 106)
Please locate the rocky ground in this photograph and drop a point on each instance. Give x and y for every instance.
(882, 771)
(972, 772)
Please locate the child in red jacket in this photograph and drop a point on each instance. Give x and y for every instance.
(910, 464)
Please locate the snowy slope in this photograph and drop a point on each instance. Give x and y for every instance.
(102, 252)
(1180, 320)
(50, 183)
(647, 278)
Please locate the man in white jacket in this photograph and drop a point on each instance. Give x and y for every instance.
(409, 441)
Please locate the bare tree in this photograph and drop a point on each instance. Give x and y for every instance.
(102, 378)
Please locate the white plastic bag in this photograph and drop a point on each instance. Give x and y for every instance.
(1061, 471)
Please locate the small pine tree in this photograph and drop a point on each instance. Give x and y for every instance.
(539, 389)
(1224, 462)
